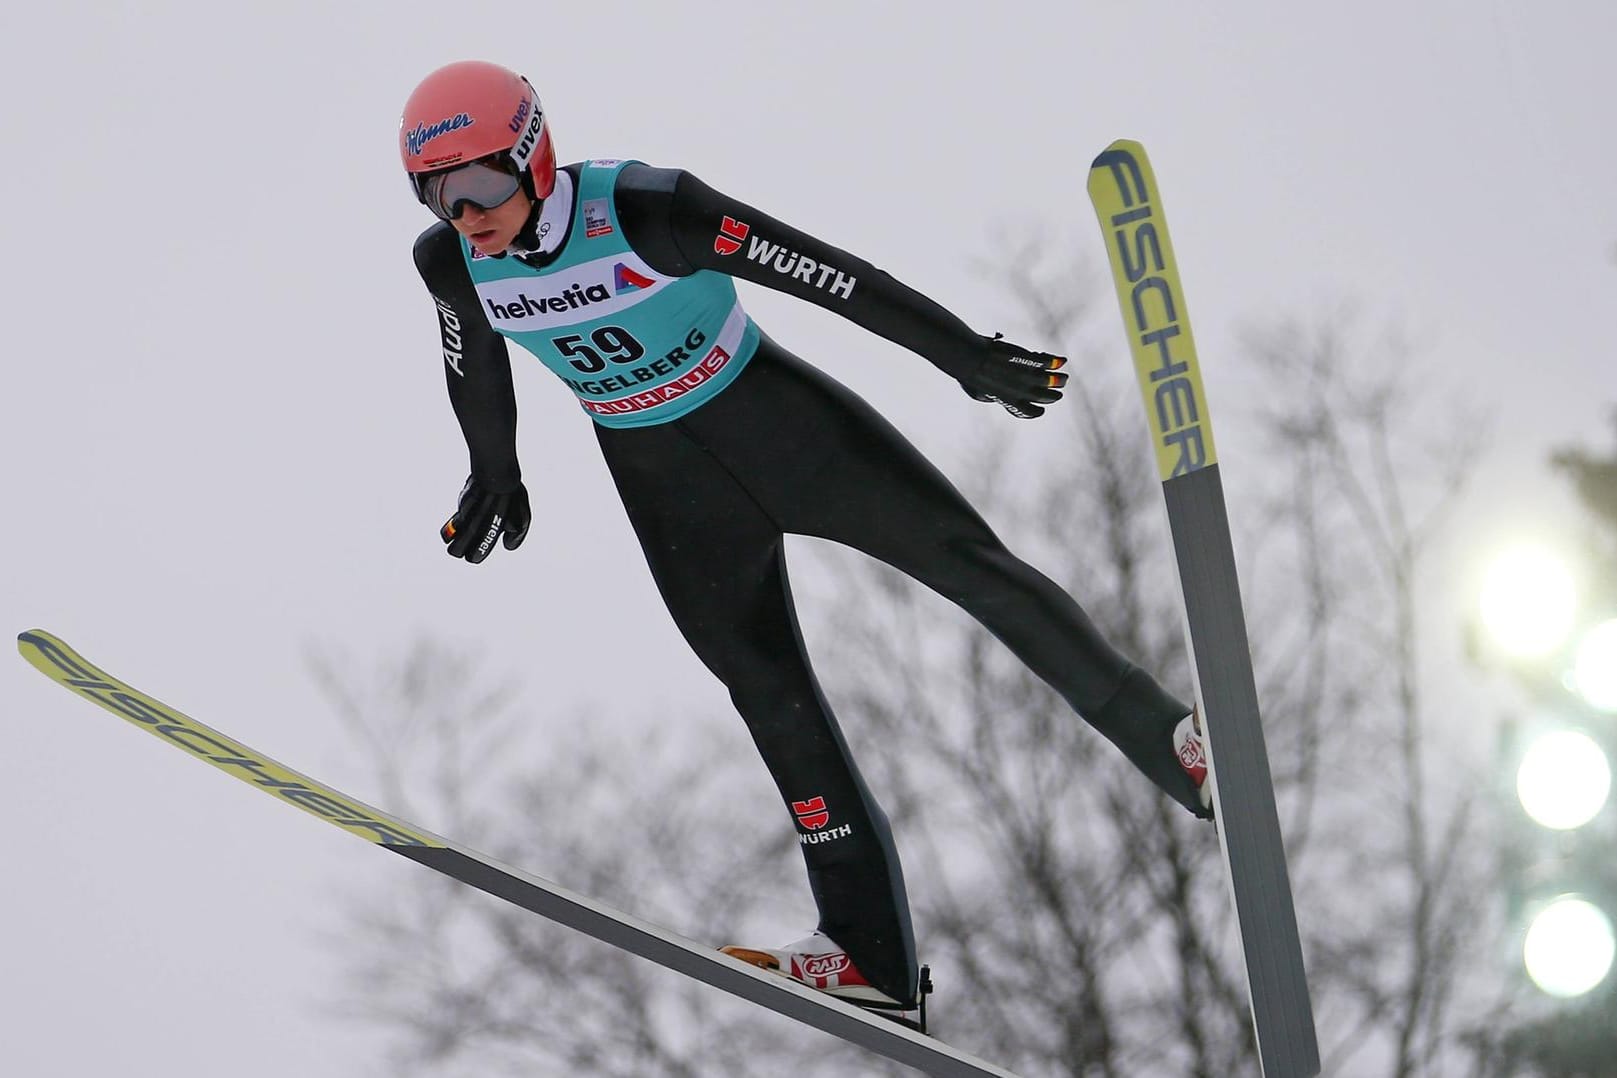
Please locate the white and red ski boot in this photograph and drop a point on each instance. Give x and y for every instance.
(820, 964)
(1192, 753)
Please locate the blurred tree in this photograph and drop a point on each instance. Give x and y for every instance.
(644, 819)
(1594, 480)
(1577, 1038)
(1577, 1041)
(1077, 923)
(1374, 480)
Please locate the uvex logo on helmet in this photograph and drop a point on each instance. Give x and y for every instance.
(521, 114)
(528, 140)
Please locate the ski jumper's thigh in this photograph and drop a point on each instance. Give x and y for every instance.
(716, 557)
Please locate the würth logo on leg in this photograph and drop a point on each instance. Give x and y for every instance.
(812, 813)
(731, 233)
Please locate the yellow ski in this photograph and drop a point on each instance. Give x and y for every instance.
(1124, 192)
(66, 667)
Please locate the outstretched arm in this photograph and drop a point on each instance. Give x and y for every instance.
(680, 225)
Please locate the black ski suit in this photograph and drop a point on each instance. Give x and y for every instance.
(785, 449)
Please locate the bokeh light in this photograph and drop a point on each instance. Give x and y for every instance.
(1528, 601)
(1569, 947)
(1563, 780)
(1594, 671)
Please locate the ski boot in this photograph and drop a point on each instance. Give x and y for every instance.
(818, 962)
(1192, 753)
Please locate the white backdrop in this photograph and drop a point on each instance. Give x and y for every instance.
(224, 426)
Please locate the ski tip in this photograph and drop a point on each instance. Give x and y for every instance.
(36, 637)
(1122, 146)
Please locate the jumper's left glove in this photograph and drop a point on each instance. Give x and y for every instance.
(482, 517)
(1019, 379)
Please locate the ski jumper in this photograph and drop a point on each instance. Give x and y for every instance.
(721, 442)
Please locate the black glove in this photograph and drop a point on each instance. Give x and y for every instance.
(1018, 378)
(482, 517)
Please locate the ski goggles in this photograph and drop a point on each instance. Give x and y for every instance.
(479, 183)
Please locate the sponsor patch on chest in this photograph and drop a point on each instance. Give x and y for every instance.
(526, 303)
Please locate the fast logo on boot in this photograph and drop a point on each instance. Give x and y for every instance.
(825, 966)
(731, 233)
(1191, 756)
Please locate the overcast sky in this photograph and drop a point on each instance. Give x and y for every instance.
(226, 435)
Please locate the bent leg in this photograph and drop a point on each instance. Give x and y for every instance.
(836, 469)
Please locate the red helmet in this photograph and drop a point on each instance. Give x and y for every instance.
(472, 109)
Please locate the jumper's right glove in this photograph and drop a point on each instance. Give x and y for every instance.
(1019, 379)
(482, 517)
